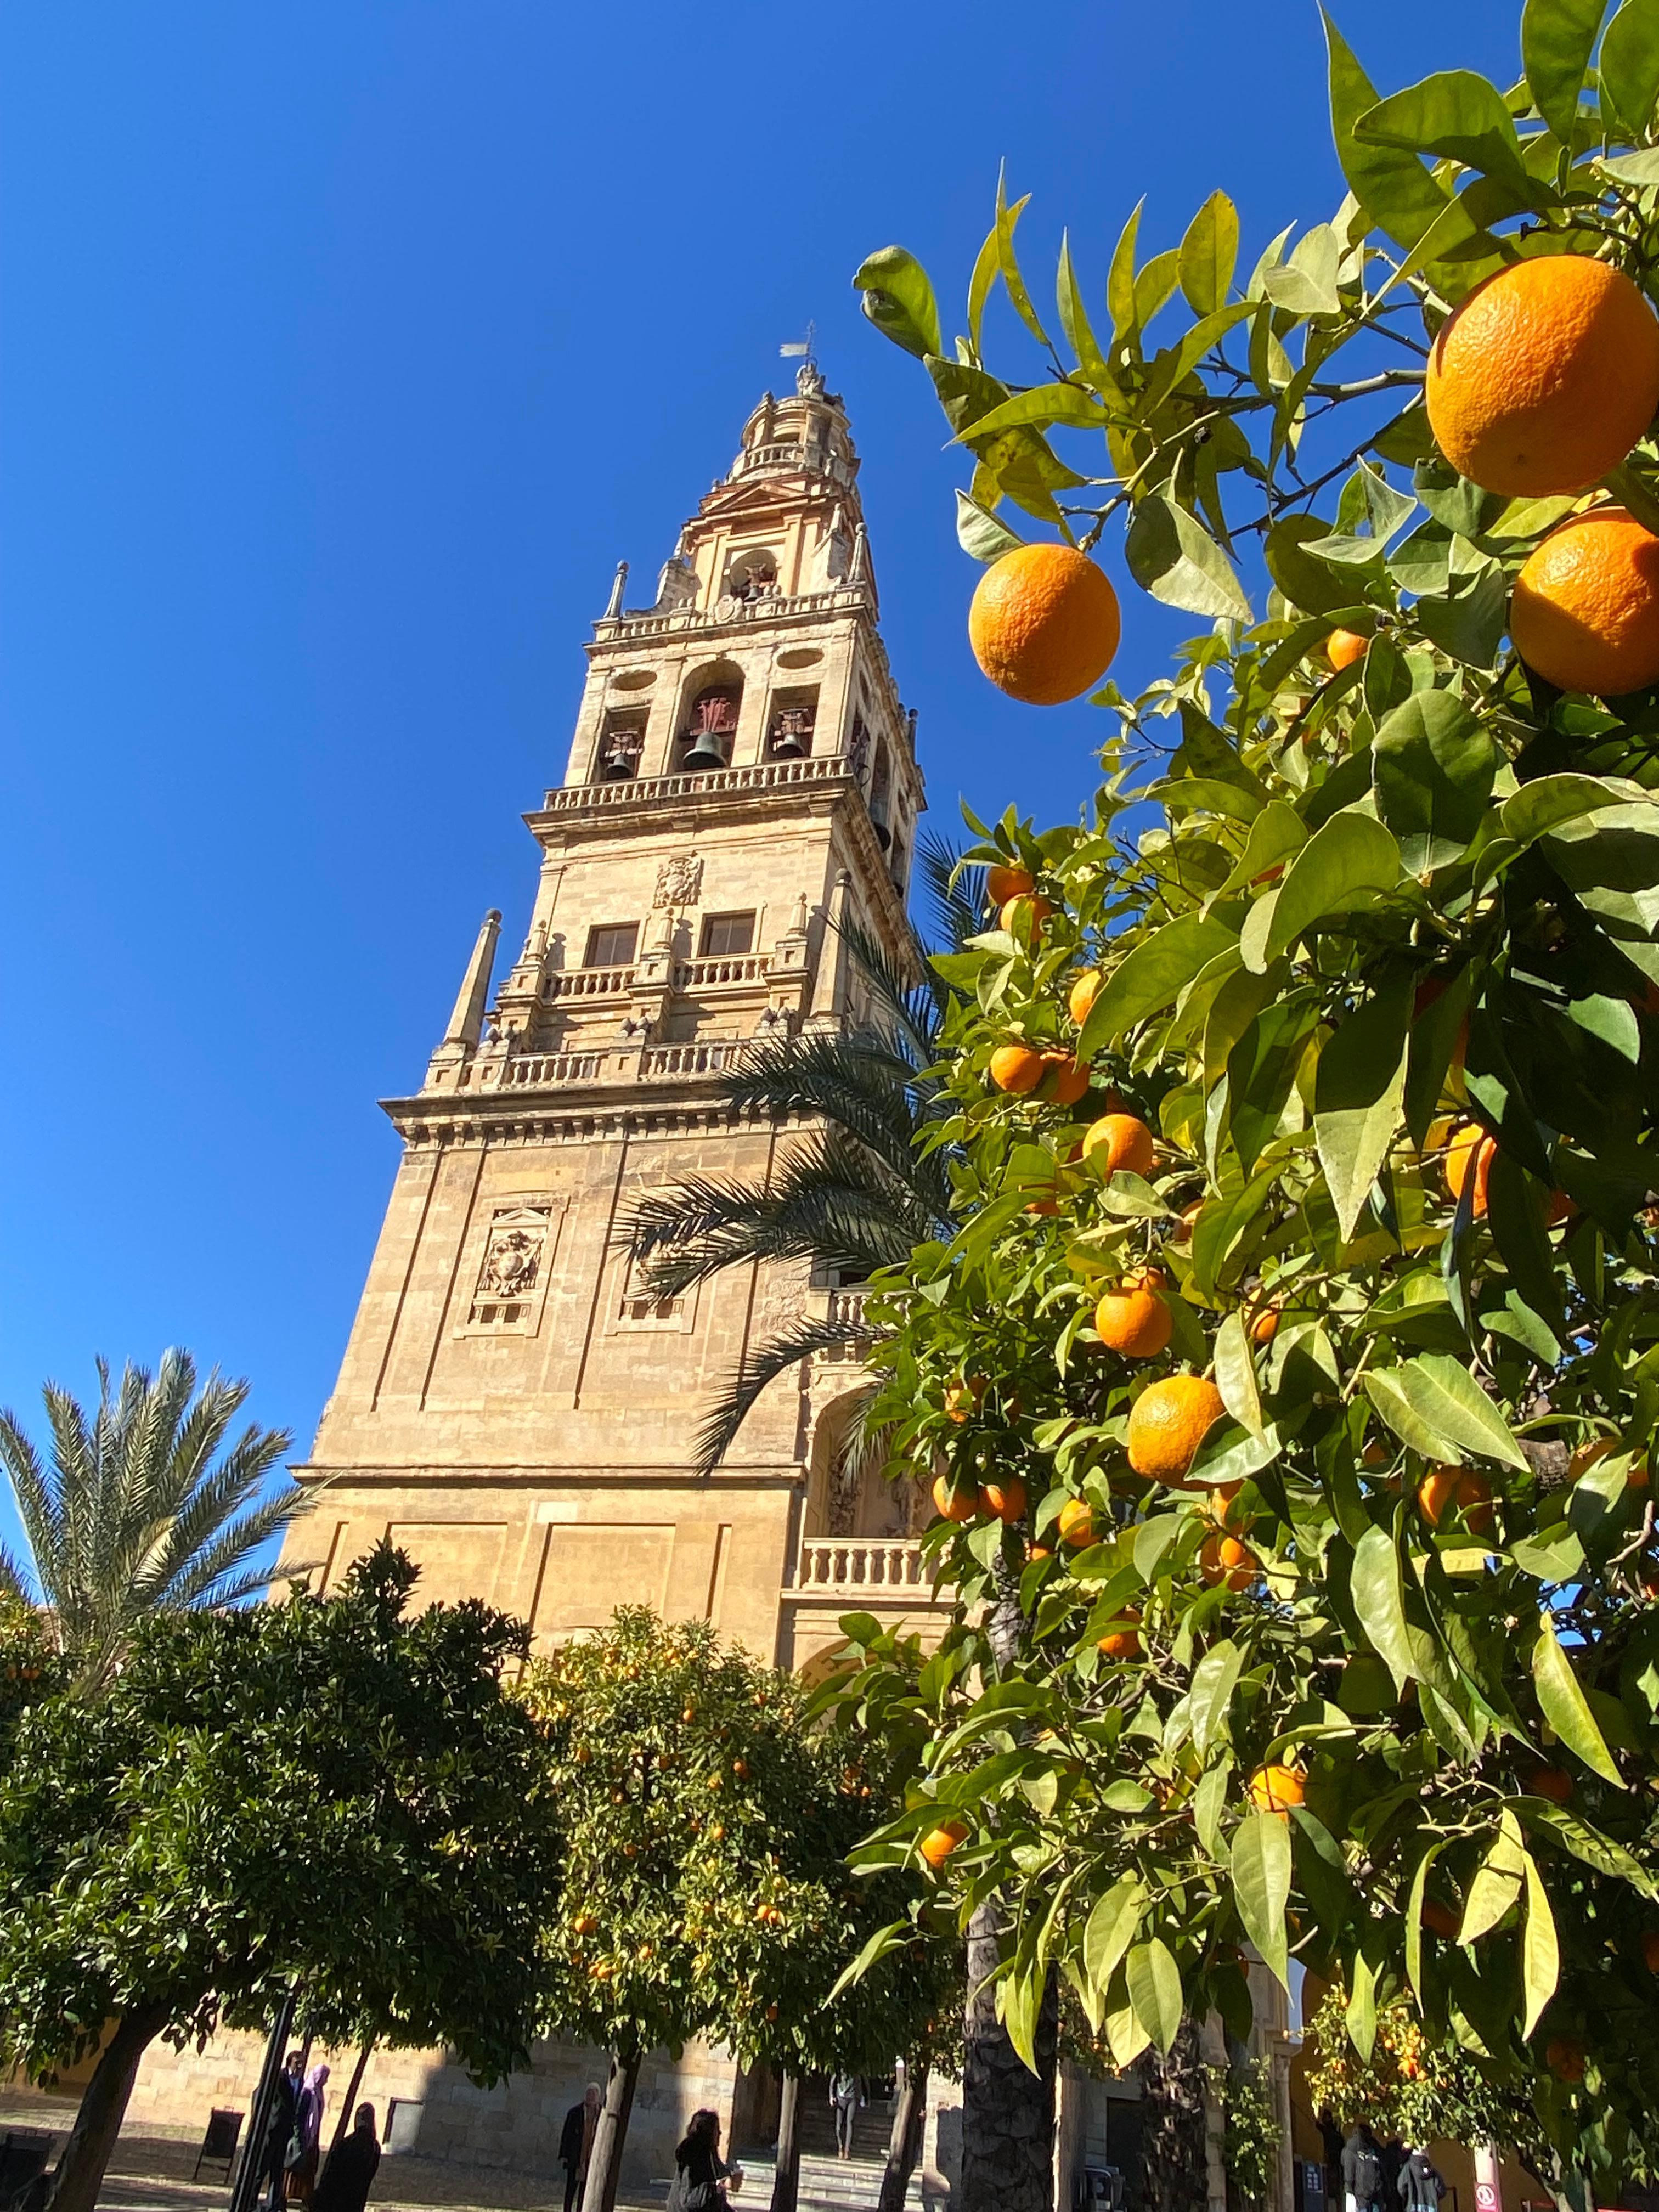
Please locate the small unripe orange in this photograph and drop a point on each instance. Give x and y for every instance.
(1225, 1559)
(1344, 646)
(937, 1845)
(1085, 989)
(1023, 916)
(1076, 1523)
(1004, 884)
(1123, 1642)
(1276, 1788)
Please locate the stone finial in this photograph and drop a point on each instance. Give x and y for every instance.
(619, 585)
(466, 1021)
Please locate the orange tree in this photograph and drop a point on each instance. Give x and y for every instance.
(1315, 1613)
(705, 1828)
(1410, 2090)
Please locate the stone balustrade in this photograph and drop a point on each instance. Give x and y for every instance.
(630, 1063)
(718, 969)
(588, 982)
(863, 1563)
(775, 606)
(716, 782)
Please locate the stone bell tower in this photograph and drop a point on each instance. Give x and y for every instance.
(514, 1407)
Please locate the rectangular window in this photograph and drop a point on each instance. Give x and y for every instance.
(726, 936)
(611, 944)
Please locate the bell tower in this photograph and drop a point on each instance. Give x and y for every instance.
(514, 1406)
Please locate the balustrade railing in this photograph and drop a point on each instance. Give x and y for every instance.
(587, 982)
(732, 968)
(775, 606)
(687, 1059)
(638, 791)
(550, 1067)
(847, 1307)
(841, 1563)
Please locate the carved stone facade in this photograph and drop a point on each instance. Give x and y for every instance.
(514, 1407)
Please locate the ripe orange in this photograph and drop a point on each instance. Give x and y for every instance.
(1565, 2058)
(1276, 1788)
(1077, 1522)
(1544, 377)
(1123, 1642)
(1472, 1151)
(1584, 612)
(1002, 884)
(1344, 646)
(1042, 1206)
(1119, 1140)
(1044, 624)
(1132, 1319)
(1439, 1919)
(951, 1503)
(1587, 1454)
(937, 1845)
(1225, 1559)
(1221, 1503)
(962, 1399)
(1005, 1498)
(1024, 917)
(1168, 1424)
(1065, 1079)
(1552, 1781)
(1264, 1323)
(1448, 1489)
(1650, 1950)
(1018, 1068)
(1086, 988)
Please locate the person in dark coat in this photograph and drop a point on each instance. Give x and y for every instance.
(1362, 2171)
(279, 2128)
(700, 2171)
(352, 2165)
(1420, 2184)
(577, 2142)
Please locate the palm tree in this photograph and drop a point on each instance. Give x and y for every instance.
(136, 1515)
(858, 1191)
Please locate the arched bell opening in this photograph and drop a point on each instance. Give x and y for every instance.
(709, 725)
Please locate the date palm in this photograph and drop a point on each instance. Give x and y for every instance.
(859, 1189)
(139, 1510)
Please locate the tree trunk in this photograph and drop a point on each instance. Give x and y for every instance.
(1007, 2111)
(786, 2180)
(904, 2144)
(79, 2173)
(248, 2174)
(611, 2133)
(1174, 2166)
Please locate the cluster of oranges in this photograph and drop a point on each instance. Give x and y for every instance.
(1537, 386)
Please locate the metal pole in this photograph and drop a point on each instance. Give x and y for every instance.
(247, 2173)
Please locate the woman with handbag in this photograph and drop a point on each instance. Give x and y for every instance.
(699, 2173)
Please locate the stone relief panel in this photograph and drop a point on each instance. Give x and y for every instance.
(679, 880)
(513, 1273)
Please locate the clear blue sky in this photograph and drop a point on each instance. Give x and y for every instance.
(346, 349)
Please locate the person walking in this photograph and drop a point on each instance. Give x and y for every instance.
(279, 2128)
(576, 2142)
(1362, 2171)
(700, 2171)
(846, 2095)
(306, 2142)
(352, 2165)
(1420, 2183)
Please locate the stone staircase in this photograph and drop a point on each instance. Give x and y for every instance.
(828, 2183)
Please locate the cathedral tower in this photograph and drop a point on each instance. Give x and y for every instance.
(515, 1408)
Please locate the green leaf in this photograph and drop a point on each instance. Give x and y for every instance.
(1359, 1089)
(1214, 1679)
(1120, 280)
(1208, 253)
(1587, 1844)
(1342, 864)
(1173, 558)
(1074, 321)
(1378, 1600)
(1154, 1985)
(980, 533)
(1209, 1802)
(1549, 802)
(1392, 187)
(1360, 2017)
(1496, 1889)
(1155, 283)
(1434, 1405)
(1470, 626)
(1277, 832)
(1006, 218)
(1042, 404)
(1630, 63)
(1414, 1919)
(894, 1937)
(1434, 1035)
(899, 300)
(1235, 1374)
(1541, 1953)
(1305, 580)
(1151, 977)
(1261, 1886)
(1556, 40)
(1432, 769)
(1565, 1707)
(1454, 114)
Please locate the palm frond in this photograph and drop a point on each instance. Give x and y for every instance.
(764, 1363)
(955, 895)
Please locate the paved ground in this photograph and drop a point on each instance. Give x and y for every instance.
(151, 2172)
